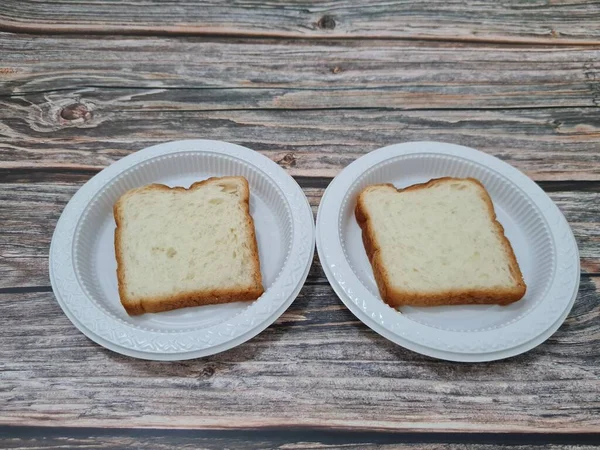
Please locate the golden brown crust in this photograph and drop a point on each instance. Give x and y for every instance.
(119, 256)
(395, 297)
(198, 298)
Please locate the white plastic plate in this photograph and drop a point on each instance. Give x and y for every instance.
(541, 237)
(83, 265)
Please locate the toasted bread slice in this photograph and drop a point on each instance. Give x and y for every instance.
(438, 243)
(179, 247)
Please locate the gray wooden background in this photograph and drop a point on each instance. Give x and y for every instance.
(312, 85)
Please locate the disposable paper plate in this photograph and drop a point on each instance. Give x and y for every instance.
(541, 237)
(83, 265)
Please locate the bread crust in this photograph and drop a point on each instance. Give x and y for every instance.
(396, 297)
(137, 306)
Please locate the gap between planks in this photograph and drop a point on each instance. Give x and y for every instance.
(83, 174)
(320, 434)
(208, 32)
(39, 289)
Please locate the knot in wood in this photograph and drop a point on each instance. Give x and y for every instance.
(289, 160)
(326, 22)
(207, 372)
(75, 111)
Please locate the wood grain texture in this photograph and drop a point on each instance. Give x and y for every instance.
(547, 144)
(408, 75)
(316, 366)
(318, 104)
(509, 21)
(31, 209)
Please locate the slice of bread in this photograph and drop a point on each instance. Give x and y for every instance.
(179, 247)
(438, 243)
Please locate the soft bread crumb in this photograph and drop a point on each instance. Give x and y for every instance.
(181, 247)
(438, 243)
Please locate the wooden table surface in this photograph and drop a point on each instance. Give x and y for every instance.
(312, 85)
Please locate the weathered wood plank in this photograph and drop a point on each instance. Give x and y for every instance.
(409, 97)
(422, 74)
(31, 209)
(513, 21)
(547, 144)
(316, 366)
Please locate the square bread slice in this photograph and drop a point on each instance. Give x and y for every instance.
(438, 243)
(178, 247)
